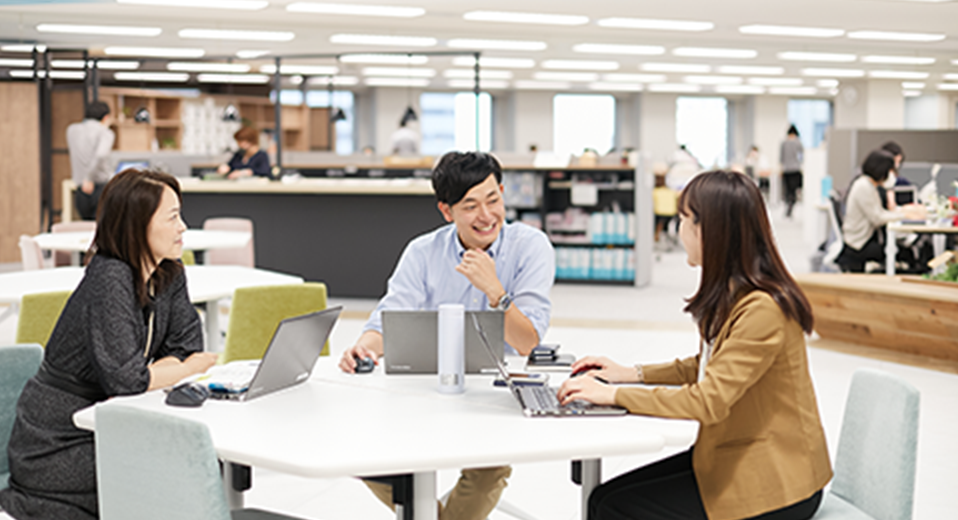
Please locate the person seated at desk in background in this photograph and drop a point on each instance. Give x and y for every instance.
(249, 160)
(128, 328)
(865, 217)
(761, 448)
(483, 263)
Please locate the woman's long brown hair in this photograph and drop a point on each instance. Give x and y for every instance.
(738, 251)
(123, 217)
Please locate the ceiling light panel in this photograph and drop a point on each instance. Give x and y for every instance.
(55, 74)
(835, 73)
(951, 77)
(229, 34)
(686, 68)
(483, 73)
(497, 63)
(711, 52)
(713, 80)
(899, 60)
(249, 79)
(355, 9)
(102, 65)
(337, 80)
(24, 47)
(166, 77)
(817, 56)
(580, 65)
(790, 30)
(896, 36)
(505, 45)
(611, 48)
(387, 40)
(911, 93)
(104, 30)
(197, 66)
(12, 62)
(484, 84)
(304, 70)
(634, 78)
(750, 70)
(655, 24)
(776, 82)
(386, 59)
(911, 85)
(680, 88)
(531, 18)
(240, 5)
(155, 52)
(250, 54)
(399, 72)
(740, 89)
(541, 85)
(793, 91)
(566, 76)
(897, 74)
(941, 86)
(606, 86)
(827, 83)
(396, 82)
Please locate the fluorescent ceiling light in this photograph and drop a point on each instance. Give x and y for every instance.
(102, 65)
(897, 74)
(896, 36)
(11, 62)
(505, 45)
(107, 30)
(710, 52)
(535, 18)
(580, 65)
(793, 91)
(541, 85)
(610, 48)
(356, 10)
(713, 80)
(497, 63)
(399, 72)
(615, 87)
(155, 52)
(676, 67)
(751, 70)
(954, 62)
(305, 70)
(337, 80)
(791, 30)
(827, 83)
(55, 74)
(250, 54)
(397, 82)
(740, 89)
(776, 82)
(377, 39)
(941, 86)
(241, 5)
(198, 66)
(483, 73)
(657, 25)
(635, 78)
(23, 47)
(256, 79)
(484, 84)
(680, 88)
(899, 60)
(951, 77)
(837, 73)
(817, 56)
(565, 76)
(386, 59)
(165, 77)
(230, 34)
(911, 85)
(911, 93)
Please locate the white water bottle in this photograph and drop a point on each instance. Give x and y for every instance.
(451, 355)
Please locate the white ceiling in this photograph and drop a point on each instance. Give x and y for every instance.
(443, 20)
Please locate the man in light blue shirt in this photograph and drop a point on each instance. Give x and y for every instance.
(482, 262)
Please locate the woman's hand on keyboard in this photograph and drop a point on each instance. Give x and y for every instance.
(605, 368)
(587, 389)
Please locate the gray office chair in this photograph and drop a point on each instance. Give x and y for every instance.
(18, 363)
(877, 451)
(152, 466)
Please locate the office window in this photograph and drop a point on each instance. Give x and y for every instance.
(447, 122)
(320, 98)
(811, 117)
(701, 124)
(581, 121)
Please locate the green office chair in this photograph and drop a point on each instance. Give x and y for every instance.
(188, 257)
(18, 363)
(256, 312)
(38, 316)
(153, 466)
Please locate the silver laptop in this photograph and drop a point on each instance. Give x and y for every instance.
(541, 401)
(290, 357)
(410, 341)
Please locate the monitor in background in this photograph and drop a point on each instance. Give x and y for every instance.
(125, 165)
(905, 195)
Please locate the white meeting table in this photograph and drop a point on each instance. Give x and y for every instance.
(77, 242)
(344, 425)
(896, 229)
(206, 284)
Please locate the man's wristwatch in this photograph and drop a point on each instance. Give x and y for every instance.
(505, 301)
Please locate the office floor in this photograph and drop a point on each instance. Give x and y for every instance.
(651, 319)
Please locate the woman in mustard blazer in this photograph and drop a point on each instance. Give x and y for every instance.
(761, 450)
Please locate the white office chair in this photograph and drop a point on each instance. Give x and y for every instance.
(835, 224)
(31, 255)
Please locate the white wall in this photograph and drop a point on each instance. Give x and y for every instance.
(886, 105)
(533, 120)
(390, 105)
(921, 113)
(504, 122)
(627, 117)
(657, 125)
(770, 124)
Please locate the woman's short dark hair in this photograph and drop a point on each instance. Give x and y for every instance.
(97, 110)
(792, 130)
(124, 212)
(457, 172)
(738, 251)
(894, 148)
(247, 134)
(878, 164)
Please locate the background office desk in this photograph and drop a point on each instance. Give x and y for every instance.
(338, 425)
(77, 242)
(896, 229)
(206, 284)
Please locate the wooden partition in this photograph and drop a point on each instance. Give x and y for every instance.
(20, 167)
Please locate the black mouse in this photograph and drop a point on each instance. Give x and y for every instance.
(364, 365)
(188, 394)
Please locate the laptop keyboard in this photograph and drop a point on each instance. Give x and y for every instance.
(543, 399)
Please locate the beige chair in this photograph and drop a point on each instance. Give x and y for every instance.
(31, 255)
(64, 257)
(243, 256)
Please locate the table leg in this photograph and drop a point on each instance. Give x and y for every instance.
(236, 479)
(213, 326)
(74, 258)
(891, 251)
(424, 496)
(591, 478)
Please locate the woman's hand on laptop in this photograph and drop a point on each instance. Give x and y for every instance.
(605, 368)
(586, 389)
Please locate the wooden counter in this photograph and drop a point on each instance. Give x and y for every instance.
(885, 312)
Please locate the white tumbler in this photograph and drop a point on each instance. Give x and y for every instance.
(451, 355)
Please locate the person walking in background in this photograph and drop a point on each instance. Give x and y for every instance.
(790, 157)
(664, 203)
(90, 142)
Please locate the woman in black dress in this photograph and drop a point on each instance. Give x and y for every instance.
(128, 328)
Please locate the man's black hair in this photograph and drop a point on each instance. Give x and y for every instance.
(457, 172)
(97, 110)
(792, 130)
